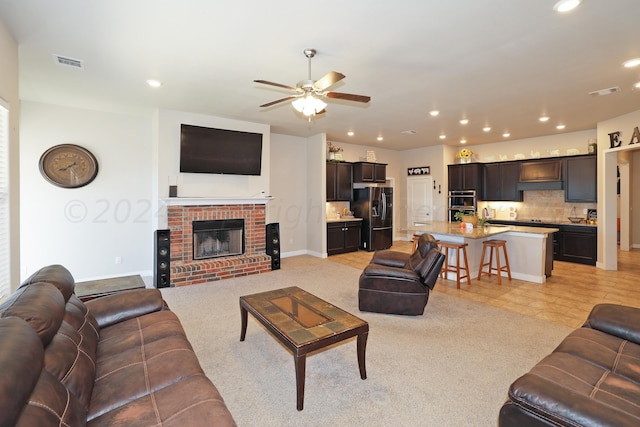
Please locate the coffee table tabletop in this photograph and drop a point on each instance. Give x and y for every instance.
(303, 323)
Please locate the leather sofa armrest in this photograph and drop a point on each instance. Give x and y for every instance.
(115, 308)
(390, 258)
(617, 320)
(378, 270)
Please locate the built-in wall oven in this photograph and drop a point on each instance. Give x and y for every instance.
(461, 200)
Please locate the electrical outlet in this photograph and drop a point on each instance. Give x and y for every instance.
(118, 260)
(585, 211)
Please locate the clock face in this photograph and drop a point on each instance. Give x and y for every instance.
(68, 166)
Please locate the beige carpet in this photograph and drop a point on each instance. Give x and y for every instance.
(450, 367)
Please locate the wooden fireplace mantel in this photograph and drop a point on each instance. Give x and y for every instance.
(213, 201)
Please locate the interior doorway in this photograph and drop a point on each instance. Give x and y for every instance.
(419, 200)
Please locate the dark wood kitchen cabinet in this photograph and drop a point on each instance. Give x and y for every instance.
(577, 244)
(501, 182)
(369, 172)
(343, 237)
(339, 181)
(467, 177)
(581, 179)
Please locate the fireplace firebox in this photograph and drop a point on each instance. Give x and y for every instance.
(218, 238)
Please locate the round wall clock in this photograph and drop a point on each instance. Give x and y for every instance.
(68, 166)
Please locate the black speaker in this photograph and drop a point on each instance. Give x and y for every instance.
(273, 244)
(162, 259)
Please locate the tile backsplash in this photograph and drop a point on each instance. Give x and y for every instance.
(546, 205)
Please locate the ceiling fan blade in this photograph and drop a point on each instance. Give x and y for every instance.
(348, 96)
(329, 79)
(265, 82)
(277, 101)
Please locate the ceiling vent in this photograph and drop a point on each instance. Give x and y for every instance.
(603, 92)
(409, 132)
(69, 62)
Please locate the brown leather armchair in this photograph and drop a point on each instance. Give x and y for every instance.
(399, 283)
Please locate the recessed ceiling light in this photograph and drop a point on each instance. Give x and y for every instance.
(154, 83)
(607, 91)
(380, 138)
(544, 119)
(443, 136)
(463, 141)
(350, 133)
(434, 112)
(637, 85)
(631, 63)
(486, 128)
(560, 127)
(464, 121)
(566, 5)
(506, 134)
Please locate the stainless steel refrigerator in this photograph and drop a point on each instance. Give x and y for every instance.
(375, 206)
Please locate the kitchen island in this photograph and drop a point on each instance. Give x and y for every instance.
(530, 249)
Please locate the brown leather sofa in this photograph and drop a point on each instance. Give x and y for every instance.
(122, 359)
(591, 379)
(399, 283)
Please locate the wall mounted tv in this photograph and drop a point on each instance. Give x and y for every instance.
(209, 150)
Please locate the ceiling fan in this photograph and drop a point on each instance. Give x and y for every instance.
(308, 92)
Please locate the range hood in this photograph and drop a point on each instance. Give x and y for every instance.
(541, 175)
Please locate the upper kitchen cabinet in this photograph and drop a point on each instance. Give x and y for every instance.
(581, 179)
(339, 181)
(545, 174)
(369, 172)
(467, 177)
(501, 182)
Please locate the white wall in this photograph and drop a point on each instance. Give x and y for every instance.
(288, 186)
(9, 93)
(607, 179)
(85, 229)
(199, 184)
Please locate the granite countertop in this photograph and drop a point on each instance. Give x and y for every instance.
(343, 219)
(454, 229)
(542, 223)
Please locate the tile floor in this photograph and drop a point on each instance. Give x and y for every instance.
(566, 298)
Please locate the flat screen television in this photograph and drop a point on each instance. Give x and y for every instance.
(221, 151)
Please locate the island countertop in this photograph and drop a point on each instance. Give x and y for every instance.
(454, 229)
(530, 249)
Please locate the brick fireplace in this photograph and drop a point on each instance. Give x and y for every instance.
(185, 270)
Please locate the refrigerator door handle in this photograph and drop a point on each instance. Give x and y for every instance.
(384, 206)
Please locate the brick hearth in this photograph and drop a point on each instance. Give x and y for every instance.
(187, 271)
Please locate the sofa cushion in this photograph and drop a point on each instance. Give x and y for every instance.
(567, 390)
(618, 320)
(57, 275)
(620, 357)
(21, 358)
(190, 401)
(139, 357)
(71, 359)
(39, 304)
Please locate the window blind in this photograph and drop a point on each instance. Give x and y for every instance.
(5, 244)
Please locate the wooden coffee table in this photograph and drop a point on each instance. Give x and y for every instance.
(304, 323)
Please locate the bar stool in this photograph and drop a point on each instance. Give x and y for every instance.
(415, 239)
(495, 245)
(458, 248)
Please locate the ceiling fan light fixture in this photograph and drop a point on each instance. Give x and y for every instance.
(309, 105)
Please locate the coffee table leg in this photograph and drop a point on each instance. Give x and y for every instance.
(362, 347)
(300, 362)
(243, 328)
